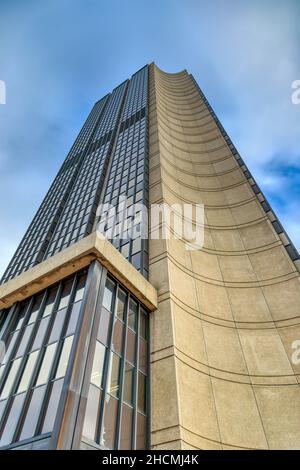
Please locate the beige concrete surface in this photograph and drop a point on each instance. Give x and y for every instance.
(221, 348)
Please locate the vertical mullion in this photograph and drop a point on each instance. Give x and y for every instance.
(135, 382)
(106, 367)
(122, 371)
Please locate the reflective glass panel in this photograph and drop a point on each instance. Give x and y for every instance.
(141, 392)
(97, 369)
(50, 302)
(121, 301)
(128, 383)
(10, 378)
(40, 334)
(12, 420)
(108, 294)
(24, 341)
(130, 346)
(104, 324)
(143, 324)
(46, 364)
(108, 433)
(91, 414)
(33, 413)
(73, 318)
(52, 406)
(9, 347)
(27, 373)
(65, 296)
(143, 359)
(64, 358)
(141, 432)
(117, 338)
(132, 314)
(57, 325)
(126, 428)
(80, 289)
(113, 387)
(35, 309)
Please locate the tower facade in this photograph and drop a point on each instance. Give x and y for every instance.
(114, 341)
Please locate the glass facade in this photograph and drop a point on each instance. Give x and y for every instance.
(38, 341)
(78, 216)
(128, 177)
(39, 337)
(108, 159)
(117, 404)
(34, 244)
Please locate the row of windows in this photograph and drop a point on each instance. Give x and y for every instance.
(73, 197)
(29, 249)
(137, 93)
(109, 119)
(87, 129)
(39, 337)
(116, 413)
(79, 212)
(128, 177)
(74, 222)
(38, 345)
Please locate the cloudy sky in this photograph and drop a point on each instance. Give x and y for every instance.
(57, 57)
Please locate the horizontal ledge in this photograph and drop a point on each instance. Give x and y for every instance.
(72, 259)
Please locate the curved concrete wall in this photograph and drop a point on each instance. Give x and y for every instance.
(222, 373)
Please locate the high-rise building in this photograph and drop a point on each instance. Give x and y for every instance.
(133, 342)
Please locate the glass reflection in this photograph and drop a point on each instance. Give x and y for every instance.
(104, 325)
(117, 338)
(132, 314)
(91, 415)
(40, 334)
(126, 428)
(142, 392)
(28, 370)
(108, 294)
(97, 369)
(52, 406)
(64, 358)
(113, 375)
(33, 412)
(10, 378)
(128, 384)
(108, 432)
(46, 364)
(50, 302)
(12, 420)
(24, 341)
(121, 302)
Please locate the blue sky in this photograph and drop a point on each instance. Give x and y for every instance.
(58, 57)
